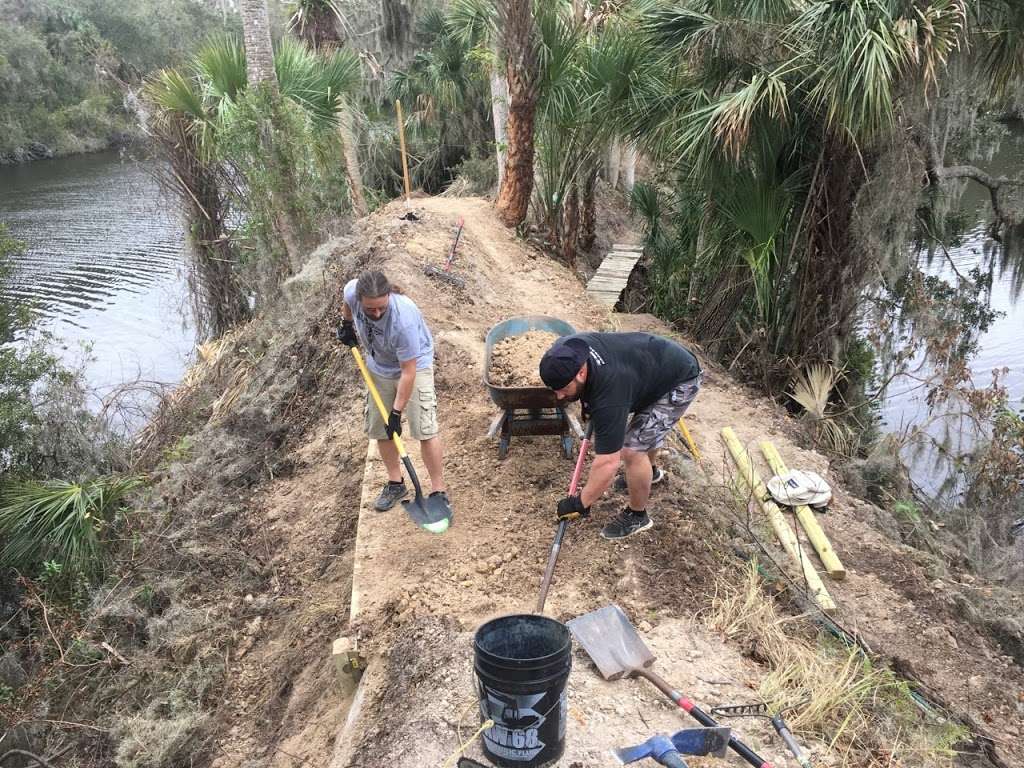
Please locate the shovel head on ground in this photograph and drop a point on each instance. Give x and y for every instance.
(611, 642)
(689, 741)
(430, 513)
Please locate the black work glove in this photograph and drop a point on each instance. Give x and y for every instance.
(394, 425)
(346, 333)
(570, 508)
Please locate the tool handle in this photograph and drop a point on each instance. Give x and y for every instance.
(672, 760)
(702, 717)
(556, 545)
(784, 732)
(376, 397)
(384, 415)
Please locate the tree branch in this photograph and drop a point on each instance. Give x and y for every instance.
(939, 172)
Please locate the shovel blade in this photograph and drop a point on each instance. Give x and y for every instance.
(611, 642)
(430, 513)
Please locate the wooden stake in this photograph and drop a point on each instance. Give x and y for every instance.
(782, 530)
(401, 141)
(822, 545)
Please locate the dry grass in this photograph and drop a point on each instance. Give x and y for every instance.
(859, 715)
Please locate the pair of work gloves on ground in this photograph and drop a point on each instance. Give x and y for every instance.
(346, 333)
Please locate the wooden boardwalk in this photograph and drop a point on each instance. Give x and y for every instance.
(608, 283)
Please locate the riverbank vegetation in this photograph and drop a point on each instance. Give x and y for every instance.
(65, 66)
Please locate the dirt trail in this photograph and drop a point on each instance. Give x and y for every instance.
(418, 598)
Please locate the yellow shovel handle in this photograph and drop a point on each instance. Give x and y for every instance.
(689, 439)
(376, 397)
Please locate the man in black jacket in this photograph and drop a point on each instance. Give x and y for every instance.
(635, 386)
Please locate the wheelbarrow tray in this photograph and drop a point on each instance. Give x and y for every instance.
(508, 398)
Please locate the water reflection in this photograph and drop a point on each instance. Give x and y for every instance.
(105, 264)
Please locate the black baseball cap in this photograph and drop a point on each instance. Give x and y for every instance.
(563, 361)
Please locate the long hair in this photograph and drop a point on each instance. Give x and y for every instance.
(373, 284)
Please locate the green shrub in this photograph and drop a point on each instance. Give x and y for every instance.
(60, 527)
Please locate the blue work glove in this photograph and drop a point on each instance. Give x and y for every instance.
(346, 333)
(394, 425)
(570, 508)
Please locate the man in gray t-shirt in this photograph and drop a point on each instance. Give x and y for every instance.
(400, 358)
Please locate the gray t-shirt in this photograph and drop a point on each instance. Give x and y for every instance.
(400, 335)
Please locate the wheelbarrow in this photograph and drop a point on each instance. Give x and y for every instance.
(527, 410)
(617, 651)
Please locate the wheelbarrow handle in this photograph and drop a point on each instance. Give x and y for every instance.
(783, 730)
(687, 705)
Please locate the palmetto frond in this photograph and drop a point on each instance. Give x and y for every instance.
(58, 520)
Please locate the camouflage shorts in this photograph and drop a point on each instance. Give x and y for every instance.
(648, 428)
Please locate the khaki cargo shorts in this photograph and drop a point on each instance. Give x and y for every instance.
(649, 428)
(420, 412)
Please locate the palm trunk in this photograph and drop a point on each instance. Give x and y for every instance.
(259, 52)
(588, 225)
(570, 225)
(629, 167)
(350, 151)
(614, 159)
(832, 270)
(499, 114)
(523, 82)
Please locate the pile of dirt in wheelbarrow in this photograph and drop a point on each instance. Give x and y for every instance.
(515, 361)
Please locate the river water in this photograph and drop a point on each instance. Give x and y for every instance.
(931, 458)
(105, 265)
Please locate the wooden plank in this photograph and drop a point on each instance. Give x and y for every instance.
(829, 558)
(782, 530)
(627, 247)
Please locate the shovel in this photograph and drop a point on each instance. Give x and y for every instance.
(617, 651)
(431, 513)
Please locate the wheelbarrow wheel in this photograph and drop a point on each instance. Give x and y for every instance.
(503, 444)
(567, 447)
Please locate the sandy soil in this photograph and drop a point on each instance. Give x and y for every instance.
(515, 361)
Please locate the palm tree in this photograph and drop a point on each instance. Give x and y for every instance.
(475, 22)
(259, 52)
(795, 100)
(316, 22)
(191, 108)
(519, 40)
(445, 87)
(182, 127)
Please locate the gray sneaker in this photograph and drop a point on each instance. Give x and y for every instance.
(657, 475)
(390, 495)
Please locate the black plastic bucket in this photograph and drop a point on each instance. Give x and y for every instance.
(522, 664)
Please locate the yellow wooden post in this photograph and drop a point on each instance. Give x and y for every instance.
(782, 530)
(822, 545)
(401, 141)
